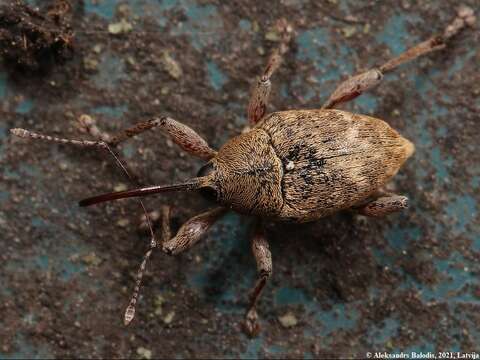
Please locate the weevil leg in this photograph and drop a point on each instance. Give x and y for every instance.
(180, 134)
(358, 84)
(192, 231)
(188, 235)
(257, 105)
(162, 215)
(384, 205)
(263, 258)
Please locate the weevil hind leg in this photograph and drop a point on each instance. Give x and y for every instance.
(257, 105)
(358, 84)
(263, 259)
(384, 205)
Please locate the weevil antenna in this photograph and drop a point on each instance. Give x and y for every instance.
(130, 311)
(189, 185)
(147, 217)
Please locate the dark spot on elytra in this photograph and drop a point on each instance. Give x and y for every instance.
(294, 153)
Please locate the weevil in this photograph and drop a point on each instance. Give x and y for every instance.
(296, 165)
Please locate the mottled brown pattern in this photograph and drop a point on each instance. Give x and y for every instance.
(338, 159)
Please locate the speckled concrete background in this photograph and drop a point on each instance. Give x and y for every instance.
(352, 284)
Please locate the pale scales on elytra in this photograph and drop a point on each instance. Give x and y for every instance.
(296, 165)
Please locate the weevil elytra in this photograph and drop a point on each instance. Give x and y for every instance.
(297, 165)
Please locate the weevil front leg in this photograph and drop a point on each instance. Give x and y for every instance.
(384, 205)
(180, 134)
(263, 258)
(358, 84)
(188, 235)
(257, 105)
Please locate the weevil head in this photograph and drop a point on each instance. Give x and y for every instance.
(245, 175)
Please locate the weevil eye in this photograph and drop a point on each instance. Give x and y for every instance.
(205, 170)
(208, 193)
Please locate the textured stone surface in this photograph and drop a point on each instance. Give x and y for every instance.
(408, 282)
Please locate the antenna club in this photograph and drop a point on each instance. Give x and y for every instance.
(20, 132)
(129, 315)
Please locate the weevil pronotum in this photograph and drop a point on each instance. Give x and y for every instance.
(296, 165)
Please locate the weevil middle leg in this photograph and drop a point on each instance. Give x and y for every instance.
(257, 106)
(358, 84)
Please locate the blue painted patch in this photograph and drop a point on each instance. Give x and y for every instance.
(3, 136)
(168, 4)
(111, 70)
(399, 237)
(27, 350)
(442, 131)
(394, 34)
(456, 275)
(462, 210)
(475, 182)
(128, 150)
(229, 236)
(440, 165)
(367, 103)
(204, 24)
(276, 349)
(41, 262)
(245, 25)
(24, 107)
(215, 75)
(38, 222)
(339, 317)
(112, 111)
(4, 196)
(253, 349)
(3, 85)
(311, 47)
(381, 333)
(105, 8)
(310, 42)
(29, 170)
(289, 296)
(459, 62)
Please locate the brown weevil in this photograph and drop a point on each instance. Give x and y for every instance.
(296, 165)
